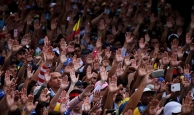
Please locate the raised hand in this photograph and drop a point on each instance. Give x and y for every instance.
(15, 46)
(99, 42)
(89, 58)
(63, 107)
(147, 38)
(105, 61)
(7, 80)
(10, 95)
(87, 28)
(50, 55)
(89, 73)
(63, 57)
(174, 61)
(141, 70)
(30, 106)
(188, 39)
(108, 52)
(73, 78)
(47, 76)
(46, 41)
(180, 52)
(69, 67)
(26, 40)
(70, 47)
(43, 95)
(165, 60)
(112, 86)
(29, 20)
(127, 60)
(142, 43)
(87, 105)
(37, 25)
(30, 73)
(24, 97)
(102, 25)
(170, 23)
(96, 96)
(187, 69)
(186, 105)
(87, 91)
(128, 37)
(76, 62)
(63, 44)
(129, 112)
(96, 64)
(119, 57)
(103, 74)
(64, 82)
(148, 80)
(43, 18)
(53, 24)
(29, 55)
(119, 70)
(153, 107)
(95, 107)
(134, 64)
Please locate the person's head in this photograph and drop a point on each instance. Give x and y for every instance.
(74, 93)
(154, 42)
(54, 113)
(172, 108)
(80, 85)
(147, 96)
(94, 78)
(119, 95)
(13, 68)
(173, 38)
(77, 50)
(55, 80)
(20, 55)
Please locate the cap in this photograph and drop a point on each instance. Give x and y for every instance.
(147, 90)
(172, 107)
(56, 51)
(103, 85)
(37, 89)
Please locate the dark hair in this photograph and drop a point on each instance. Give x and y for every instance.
(54, 113)
(30, 85)
(77, 45)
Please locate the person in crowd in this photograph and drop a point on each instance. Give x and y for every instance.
(96, 57)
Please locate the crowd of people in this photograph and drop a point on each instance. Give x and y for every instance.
(95, 57)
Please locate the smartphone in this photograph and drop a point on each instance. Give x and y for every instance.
(1, 24)
(15, 34)
(95, 53)
(111, 111)
(175, 87)
(158, 73)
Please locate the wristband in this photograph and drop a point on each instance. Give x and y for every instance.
(79, 98)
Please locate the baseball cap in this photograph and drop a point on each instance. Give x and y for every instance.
(147, 90)
(172, 107)
(37, 89)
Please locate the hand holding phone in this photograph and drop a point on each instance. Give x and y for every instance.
(15, 34)
(175, 87)
(158, 73)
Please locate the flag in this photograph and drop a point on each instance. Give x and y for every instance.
(76, 30)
